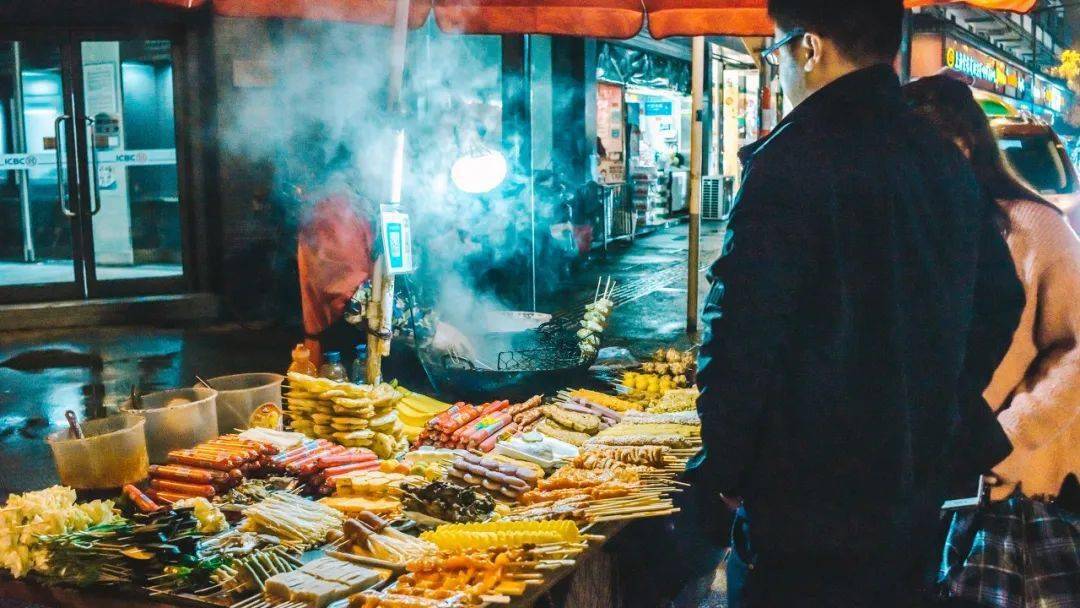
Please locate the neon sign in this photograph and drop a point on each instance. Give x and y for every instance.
(967, 64)
(988, 72)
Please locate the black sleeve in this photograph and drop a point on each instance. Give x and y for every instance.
(749, 314)
(998, 304)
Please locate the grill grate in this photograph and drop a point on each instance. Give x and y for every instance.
(539, 359)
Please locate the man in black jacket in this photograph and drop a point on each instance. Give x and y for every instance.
(837, 397)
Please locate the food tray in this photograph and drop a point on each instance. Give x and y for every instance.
(560, 449)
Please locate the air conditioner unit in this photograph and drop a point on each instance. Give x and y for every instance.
(717, 197)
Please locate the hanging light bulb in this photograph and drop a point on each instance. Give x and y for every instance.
(479, 170)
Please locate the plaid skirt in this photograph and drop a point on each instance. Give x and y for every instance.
(1016, 553)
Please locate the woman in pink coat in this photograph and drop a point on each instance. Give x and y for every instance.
(1036, 389)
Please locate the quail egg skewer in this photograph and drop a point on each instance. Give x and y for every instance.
(595, 319)
(592, 326)
(601, 306)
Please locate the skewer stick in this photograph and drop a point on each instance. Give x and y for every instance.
(656, 506)
(251, 601)
(639, 516)
(596, 296)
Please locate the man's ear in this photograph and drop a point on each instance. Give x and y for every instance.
(813, 45)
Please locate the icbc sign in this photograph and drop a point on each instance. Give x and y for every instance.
(18, 161)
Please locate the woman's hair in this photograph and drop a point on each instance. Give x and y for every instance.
(947, 104)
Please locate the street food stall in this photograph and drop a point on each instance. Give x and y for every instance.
(334, 493)
(296, 491)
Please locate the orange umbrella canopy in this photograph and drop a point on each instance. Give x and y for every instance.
(591, 18)
(750, 17)
(180, 3)
(1016, 6)
(374, 12)
(695, 17)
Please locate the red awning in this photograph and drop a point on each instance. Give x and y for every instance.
(591, 18)
(750, 18)
(181, 3)
(702, 17)
(374, 12)
(1016, 6)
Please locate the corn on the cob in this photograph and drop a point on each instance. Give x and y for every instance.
(489, 535)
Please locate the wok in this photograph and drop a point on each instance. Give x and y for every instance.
(526, 362)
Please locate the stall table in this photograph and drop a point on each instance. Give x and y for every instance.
(36, 594)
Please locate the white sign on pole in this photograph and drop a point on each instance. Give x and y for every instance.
(397, 240)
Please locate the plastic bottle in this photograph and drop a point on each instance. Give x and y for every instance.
(301, 361)
(332, 368)
(359, 365)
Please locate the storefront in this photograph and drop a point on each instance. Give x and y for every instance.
(643, 130)
(741, 116)
(644, 116)
(1050, 100)
(91, 200)
(1002, 86)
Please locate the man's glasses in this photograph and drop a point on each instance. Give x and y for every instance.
(771, 53)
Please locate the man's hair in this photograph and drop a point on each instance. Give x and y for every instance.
(863, 29)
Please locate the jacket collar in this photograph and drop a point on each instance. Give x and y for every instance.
(876, 85)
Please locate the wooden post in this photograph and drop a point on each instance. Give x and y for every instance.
(697, 91)
(381, 304)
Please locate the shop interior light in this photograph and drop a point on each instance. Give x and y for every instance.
(478, 171)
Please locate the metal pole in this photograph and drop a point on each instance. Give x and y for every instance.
(527, 77)
(397, 55)
(381, 304)
(905, 47)
(1034, 51)
(697, 92)
(18, 124)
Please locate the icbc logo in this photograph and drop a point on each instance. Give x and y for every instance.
(14, 161)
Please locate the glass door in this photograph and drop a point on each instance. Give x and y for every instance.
(126, 135)
(90, 195)
(40, 244)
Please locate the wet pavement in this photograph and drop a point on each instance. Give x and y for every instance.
(43, 373)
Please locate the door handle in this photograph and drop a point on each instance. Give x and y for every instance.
(94, 164)
(61, 188)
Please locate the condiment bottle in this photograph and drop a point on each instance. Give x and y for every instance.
(332, 368)
(301, 361)
(359, 365)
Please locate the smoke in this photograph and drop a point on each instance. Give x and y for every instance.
(322, 124)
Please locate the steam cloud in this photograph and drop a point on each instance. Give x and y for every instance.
(322, 125)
